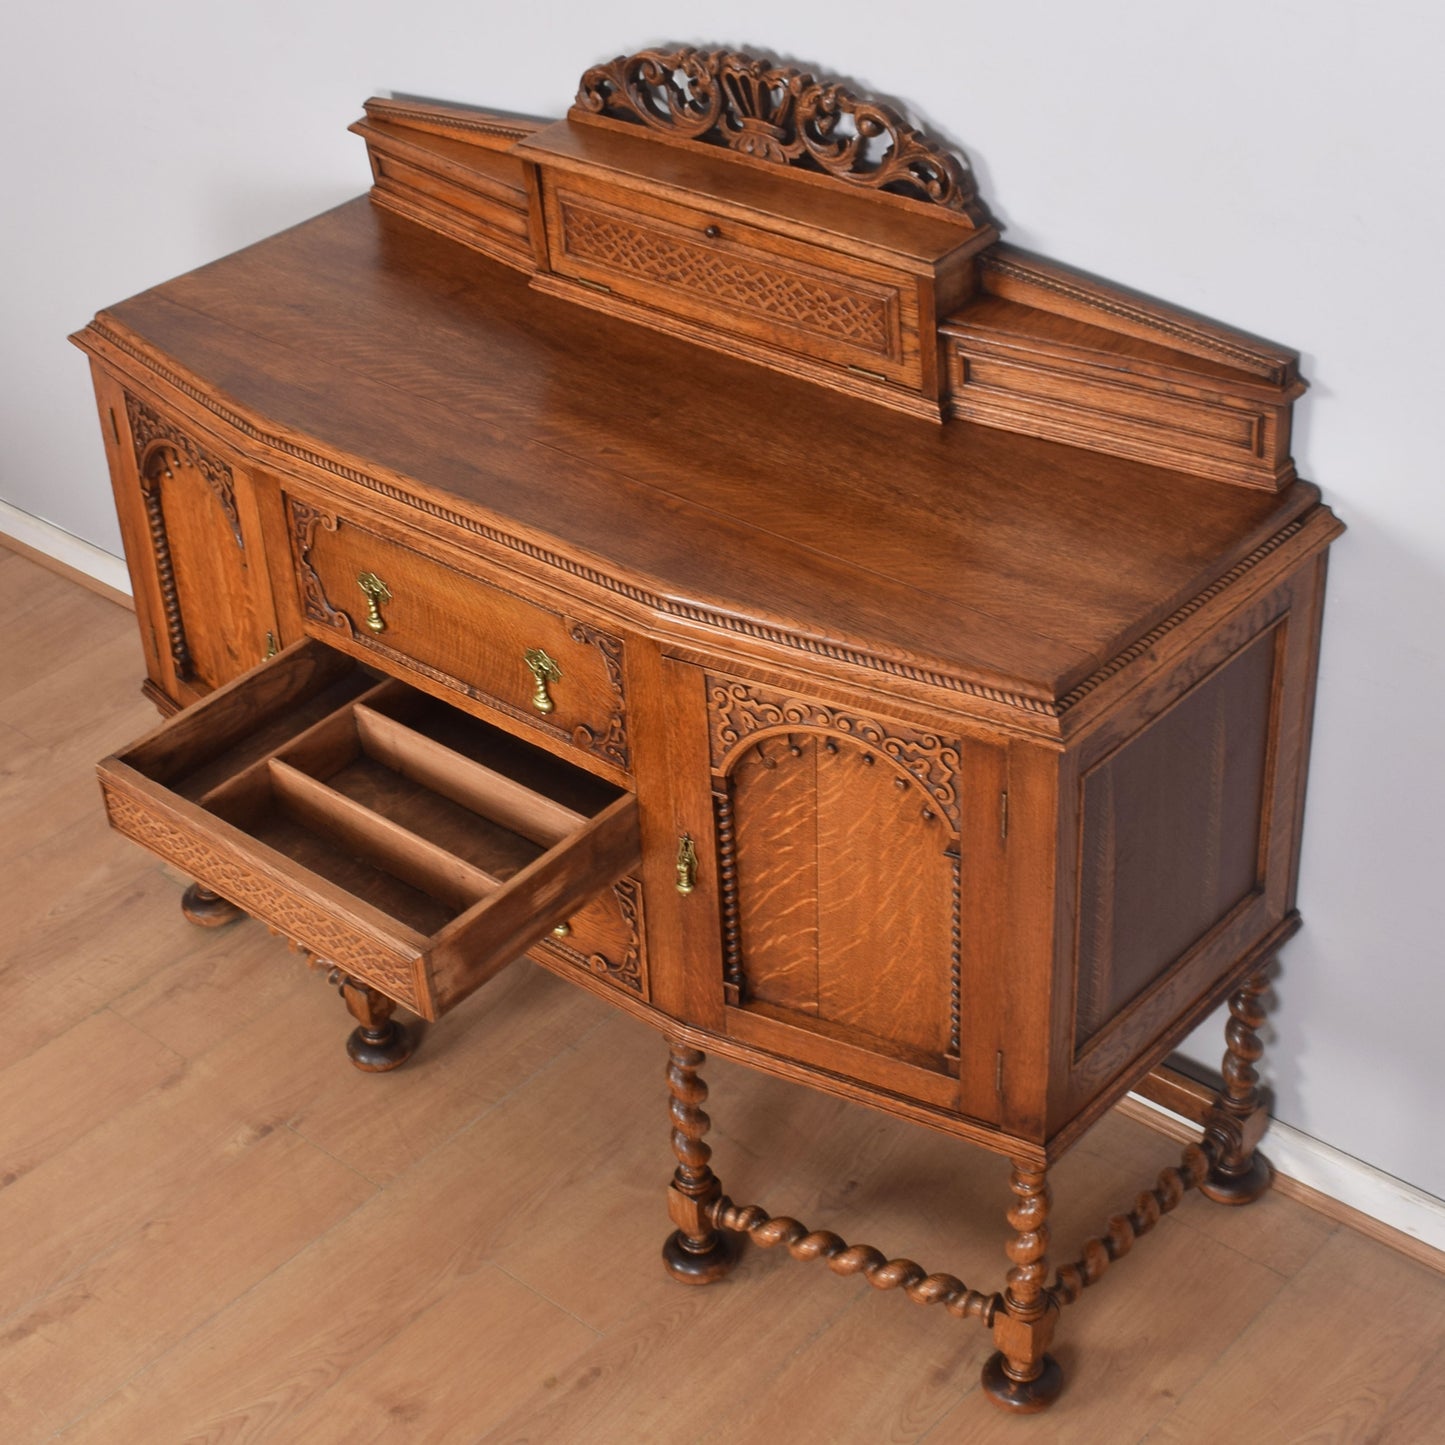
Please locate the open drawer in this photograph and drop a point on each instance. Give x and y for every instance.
(414, 846)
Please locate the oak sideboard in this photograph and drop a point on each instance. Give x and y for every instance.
(684, 544)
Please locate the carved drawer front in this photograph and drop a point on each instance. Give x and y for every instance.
(604, 937)
(417, 847)
(726, 275)
(372, 595)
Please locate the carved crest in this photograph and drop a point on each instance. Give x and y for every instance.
(782, 115)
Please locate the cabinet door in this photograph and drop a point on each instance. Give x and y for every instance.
(840, 845)
(193, 545)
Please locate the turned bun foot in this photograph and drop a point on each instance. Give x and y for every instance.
(1022, 1397)
(206, 909)
(1243, 1186)
(376, 1051)
(378, 1044)
(691, 1266)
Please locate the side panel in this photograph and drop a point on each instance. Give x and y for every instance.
(1180, 831)
(193, 546)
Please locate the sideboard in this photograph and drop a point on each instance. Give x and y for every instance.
(684, 544)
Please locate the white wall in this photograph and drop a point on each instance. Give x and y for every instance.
(1273, 163)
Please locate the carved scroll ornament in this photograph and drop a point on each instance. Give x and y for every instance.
(782, 115)
(739, 712)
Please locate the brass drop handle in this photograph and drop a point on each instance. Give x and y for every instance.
(686, 865)
(376, 592)
(546, 672)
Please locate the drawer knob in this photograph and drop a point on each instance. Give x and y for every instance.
(376, 592)
(546, 673)
(562, 930)
(686, 865)
(712, 232)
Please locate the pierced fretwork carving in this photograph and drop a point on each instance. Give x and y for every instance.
(783, 115)
(741, 711)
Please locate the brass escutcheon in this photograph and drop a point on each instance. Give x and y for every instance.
(376, 592)
(686, 865)
(546, 672)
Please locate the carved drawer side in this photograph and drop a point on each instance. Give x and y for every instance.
(334, 926)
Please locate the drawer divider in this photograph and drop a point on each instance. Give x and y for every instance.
(407, 855)
(469, 783)
(318, 739)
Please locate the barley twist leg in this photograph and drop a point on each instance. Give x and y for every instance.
(695, 1252)
(1020, 1376)
(1239, 1118)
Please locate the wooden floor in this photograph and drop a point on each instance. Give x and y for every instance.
(212, 1228)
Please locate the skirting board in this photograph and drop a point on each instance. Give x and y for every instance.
(1335, 1183)
(64, 552)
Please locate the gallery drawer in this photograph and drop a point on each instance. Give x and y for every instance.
(416, 847)
(372, 595)
(719, 271)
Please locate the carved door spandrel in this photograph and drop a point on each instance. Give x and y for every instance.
(840, 873)
(216, 618)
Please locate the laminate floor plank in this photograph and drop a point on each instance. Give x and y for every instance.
(1417, 1414)
(275, 1351)
(56, 1095)
(95, 918)
(289, 1066)
(191, 1255)
(424, 1383)
(1357, 1327)
(56, 622)
(217, 1229)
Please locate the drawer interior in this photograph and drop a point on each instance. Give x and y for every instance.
(397, 797)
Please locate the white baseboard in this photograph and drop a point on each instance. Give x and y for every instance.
(64, 547)
(1350, 1181)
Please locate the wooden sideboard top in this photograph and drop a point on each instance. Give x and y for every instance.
(708, 488)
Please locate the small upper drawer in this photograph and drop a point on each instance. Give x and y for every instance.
(724, 273)
(418, 848)
(369, 594)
